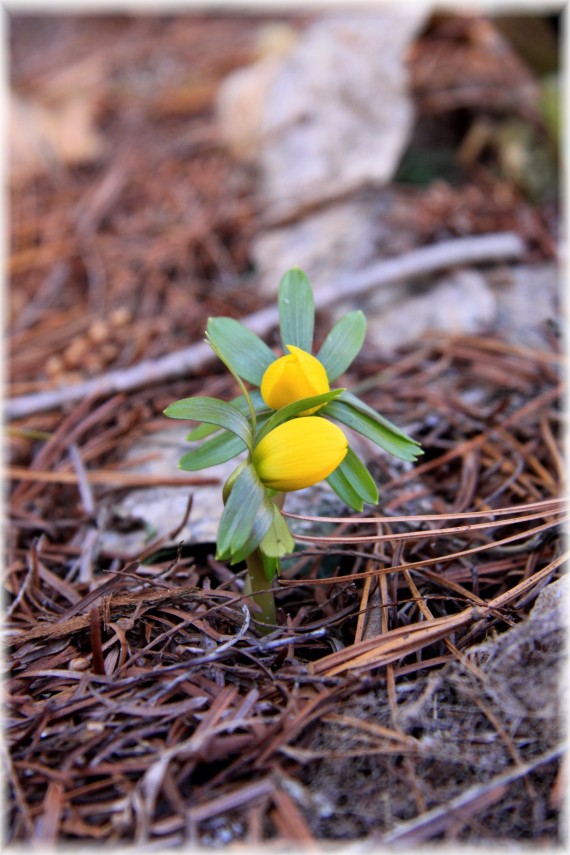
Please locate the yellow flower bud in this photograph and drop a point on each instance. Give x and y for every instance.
(293, 377)
(299, 453)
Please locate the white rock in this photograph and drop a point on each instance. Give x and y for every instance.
(323, 116)
(328, 115)
(240, 104)
(528, 299)
(242, 97)
(326, 244)
(161, 509)
(463, 302)
(338, 114)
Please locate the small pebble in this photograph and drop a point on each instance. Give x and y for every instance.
(98, 331)
(74, 354)
(120, 317)
(55, 366)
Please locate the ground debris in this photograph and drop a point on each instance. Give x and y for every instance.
(143, 705)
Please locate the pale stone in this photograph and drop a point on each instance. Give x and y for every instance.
(242, 97)
(159, 510)
(240, 104)
(324, 120)
(338, 114)
(529, 300)
(326, 112)
(463, 302)
(326, 244)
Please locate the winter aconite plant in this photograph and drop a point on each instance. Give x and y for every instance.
(291, 428)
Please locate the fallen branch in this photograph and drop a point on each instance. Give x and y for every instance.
(410, 265)
(108, 478)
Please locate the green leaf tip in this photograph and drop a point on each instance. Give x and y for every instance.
(342, 344)
(296, 310)
(246, 517)
(239, 348)
(213, 412)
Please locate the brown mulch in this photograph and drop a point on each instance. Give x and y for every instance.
(143, 704)
(146, 706)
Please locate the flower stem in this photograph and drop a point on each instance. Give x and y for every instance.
(256, 585)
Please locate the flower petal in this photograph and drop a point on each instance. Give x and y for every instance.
(293, 377)
(299, 453)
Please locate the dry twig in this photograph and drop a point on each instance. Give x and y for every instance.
(417, 263)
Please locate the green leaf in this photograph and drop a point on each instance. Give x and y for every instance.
(291, 410)
(216, 450)
(353, 401)
(201, 431)
(296, 310)
(353, 476)
(248, 506)
(342, 344)
(240, 402)
(278, 540)
(361, 478)
(374, 428)
(253, 541)
(242, 405)
(344, 490)
(237, 378)
(214, 412)
(248, 355)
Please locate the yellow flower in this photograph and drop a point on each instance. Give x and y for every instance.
(293, 377)
(299, 453)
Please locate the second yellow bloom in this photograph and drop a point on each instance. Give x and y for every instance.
(293, 377)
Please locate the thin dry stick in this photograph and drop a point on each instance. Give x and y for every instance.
(393, 645)
(552, 446)
(291, 822)
(117, 601)
(362, 612)
(91, 534)
(381, 733)
(509, 743)
(363, 626)
(377, 652)
(239, 797)
(491, 512)
(418, 262)
(108, 477)
(427, 613)
(519, 590)
(414, 535)
(529, 535)
(538, 403)
(384, 600)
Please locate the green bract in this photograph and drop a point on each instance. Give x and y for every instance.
(252, 526)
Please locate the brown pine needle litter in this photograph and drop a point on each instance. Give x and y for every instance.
(410, 691)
